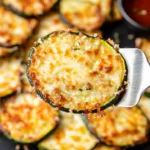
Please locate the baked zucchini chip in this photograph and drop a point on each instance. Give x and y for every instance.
(25, 118)
(76, 72)
(120, 126)
(14, 30)
(144, 104)
(29, 8)
(86, 15)
(71, 134)
(10, 70)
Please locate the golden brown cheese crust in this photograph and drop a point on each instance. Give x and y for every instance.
(120, 126)
(86, 15)
(71, 134)
(14, 30)
(10, 70)
(30, 7)
(26, 118)
(76, 71)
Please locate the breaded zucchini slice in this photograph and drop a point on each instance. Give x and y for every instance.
(25, 118)
(71, 134)
(29, 8)
(10, 70)
(76, 72)
(4, 51)
(14, 30)
(144, 45)
(144, 104)
(85, 14)
(104, 147)
(120, 126)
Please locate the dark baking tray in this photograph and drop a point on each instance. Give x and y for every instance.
(120, 29)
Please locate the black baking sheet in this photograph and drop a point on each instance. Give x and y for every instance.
(119, 31)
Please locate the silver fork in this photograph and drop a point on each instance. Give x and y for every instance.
(138, 76)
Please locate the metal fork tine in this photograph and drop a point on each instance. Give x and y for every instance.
(138, 76)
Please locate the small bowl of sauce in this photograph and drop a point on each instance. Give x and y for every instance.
(136, 12)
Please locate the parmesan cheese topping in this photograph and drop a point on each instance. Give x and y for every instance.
(14, 30)
(71, 134)
(26, 118)
(30, 7)
(76, 71)
(120, 126)
(96, 12)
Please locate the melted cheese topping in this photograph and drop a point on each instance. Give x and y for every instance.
(120, 126)
(30, 7)
(74, 12)
(145, 105)
(76, 71)
(10, 69)
(14, 30)
(6, 51)
(71, 134)
(26, 118)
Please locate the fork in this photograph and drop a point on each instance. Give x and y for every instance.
(138, 76)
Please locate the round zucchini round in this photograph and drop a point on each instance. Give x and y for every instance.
(25, 118)
(14, 30)
(71, 134)
(86, 15)
(76, 72)
(120, 126)
(29, 8)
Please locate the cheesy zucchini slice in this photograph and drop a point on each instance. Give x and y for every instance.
(76, 72)
(25, 118)
(104, 147)
(144, 45)
(29, 8)
(85, 14)
(119, 126)
(10, 70)
(144, 104)
(14, 30)
(71, 134)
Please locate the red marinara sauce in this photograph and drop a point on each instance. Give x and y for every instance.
(138, 10)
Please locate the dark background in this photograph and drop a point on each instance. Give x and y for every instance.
(121, 30)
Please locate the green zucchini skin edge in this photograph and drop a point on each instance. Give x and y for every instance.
(147, 94)
(24, 15)
(35, 142)
(112, 102)
(107, 144)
